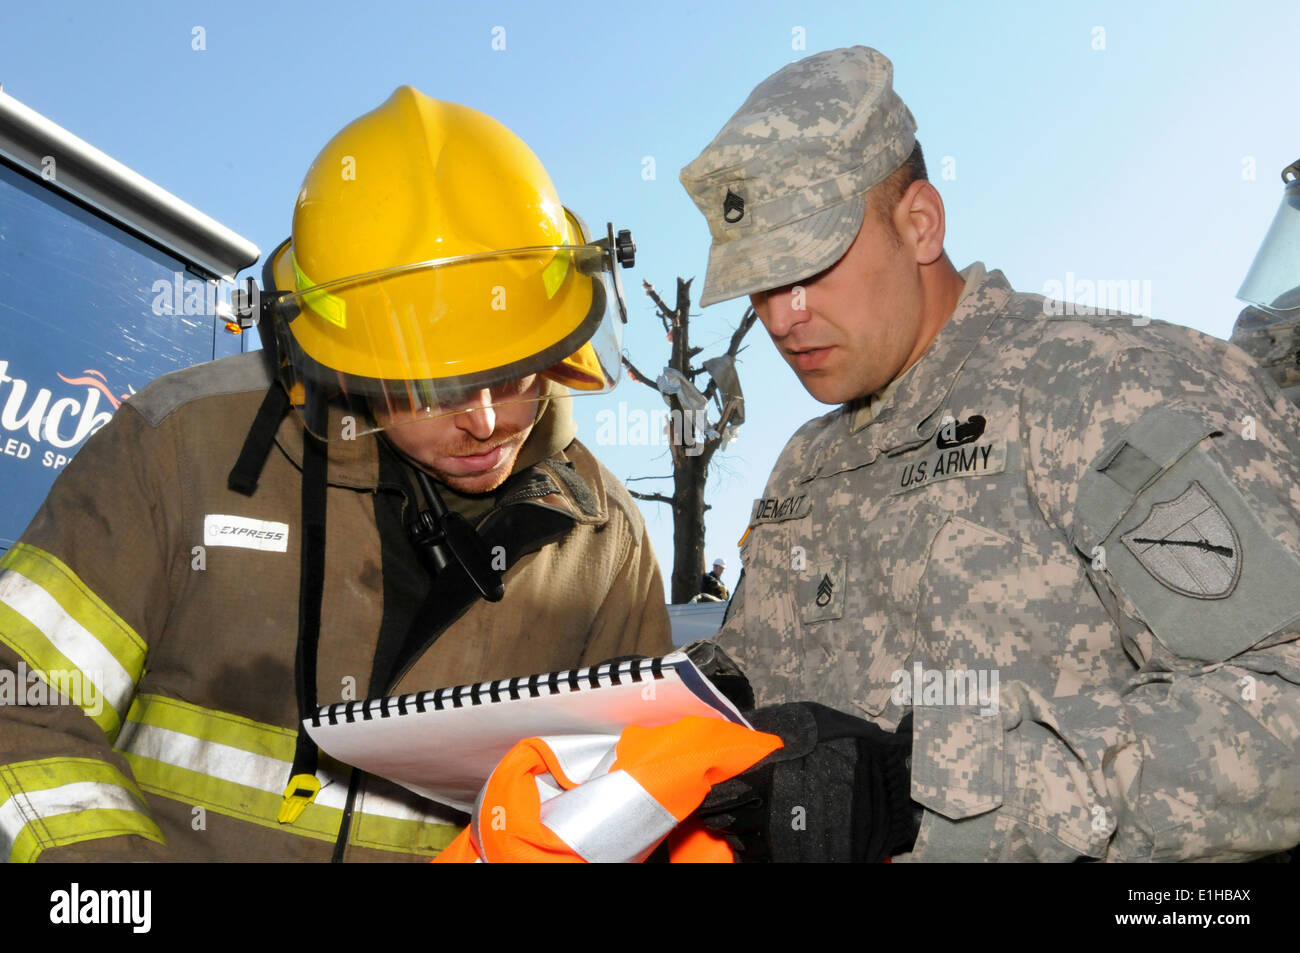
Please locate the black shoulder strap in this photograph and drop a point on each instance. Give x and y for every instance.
(257, 445)
(303, 784)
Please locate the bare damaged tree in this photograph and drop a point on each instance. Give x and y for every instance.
(693, 440)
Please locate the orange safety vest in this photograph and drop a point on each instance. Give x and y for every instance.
(601, 798)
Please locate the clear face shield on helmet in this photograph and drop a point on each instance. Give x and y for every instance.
(424, 340)
(1273, 282)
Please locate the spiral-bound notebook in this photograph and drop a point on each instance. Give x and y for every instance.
(444, 744)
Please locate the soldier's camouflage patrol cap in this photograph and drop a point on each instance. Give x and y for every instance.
(783, 184)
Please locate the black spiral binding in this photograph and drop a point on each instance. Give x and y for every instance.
(482, 693)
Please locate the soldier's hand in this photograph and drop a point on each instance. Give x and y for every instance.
(837, 791)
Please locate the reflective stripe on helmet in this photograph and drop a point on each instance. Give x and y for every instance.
(333, 309)
(555, 271)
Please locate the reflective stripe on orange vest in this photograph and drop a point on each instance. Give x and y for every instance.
(601, 798)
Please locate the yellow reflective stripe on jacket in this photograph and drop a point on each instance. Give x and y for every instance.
(239, 767)
(385, 824)
(58, 801)
(55, 623)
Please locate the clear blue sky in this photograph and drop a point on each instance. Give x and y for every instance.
(1111, 141)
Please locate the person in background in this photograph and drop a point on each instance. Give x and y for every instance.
(711, 582)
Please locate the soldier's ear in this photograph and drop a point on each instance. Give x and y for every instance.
(919, 221)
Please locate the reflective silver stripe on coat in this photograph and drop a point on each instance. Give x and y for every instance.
(258, 771)
(78, 645)
(28, 806)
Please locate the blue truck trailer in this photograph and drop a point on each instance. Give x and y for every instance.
(106, 282)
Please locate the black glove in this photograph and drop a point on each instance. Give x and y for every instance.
(720, 669)
(838, 790)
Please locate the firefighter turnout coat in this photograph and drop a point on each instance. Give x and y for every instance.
(149, 622)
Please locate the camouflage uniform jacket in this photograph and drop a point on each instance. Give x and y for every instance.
(177, 598)
(1073, 552)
